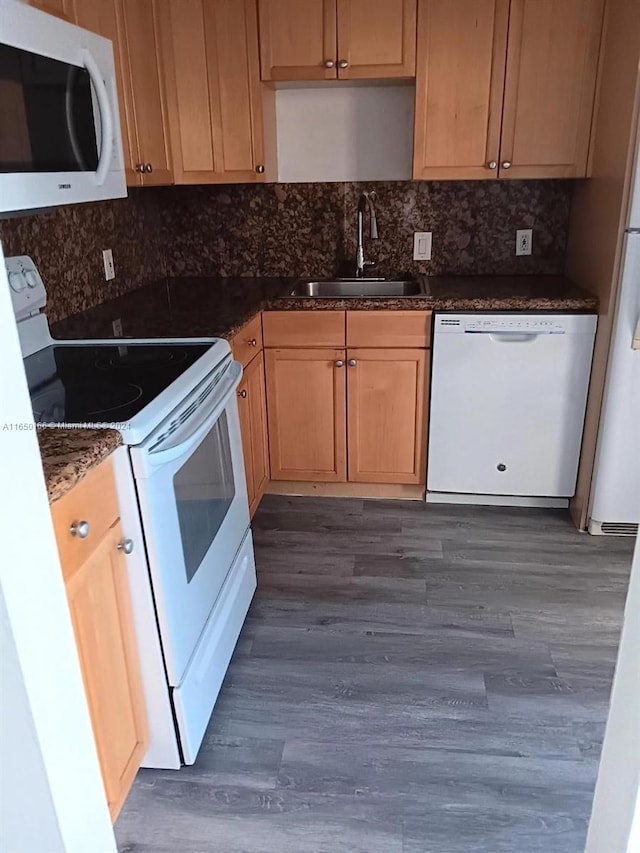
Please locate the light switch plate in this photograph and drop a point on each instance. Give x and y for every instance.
(422, 245)
(109, 268)
(524, 239)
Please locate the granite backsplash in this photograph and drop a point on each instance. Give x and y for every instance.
(310, 229)
(288, 230)
(66, 244)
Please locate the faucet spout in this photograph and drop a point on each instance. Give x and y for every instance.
(365, 202)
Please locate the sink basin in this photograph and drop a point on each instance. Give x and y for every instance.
(342, 288)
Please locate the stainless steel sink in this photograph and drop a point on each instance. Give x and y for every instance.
(345, 288)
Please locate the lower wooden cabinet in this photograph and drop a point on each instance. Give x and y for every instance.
(96, 581)
(386, 415)
(252, 407)
(350, 413)
(306, 405)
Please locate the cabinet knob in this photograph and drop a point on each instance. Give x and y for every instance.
(148, 168)
(329, 63)
(242, 394)
(339, 363)
(344, 63)
(506, 164)
(492, 164)
(139, 167)
(352, 362)
(253, 342)
(125, 546)
(260, 169)
(79, 529)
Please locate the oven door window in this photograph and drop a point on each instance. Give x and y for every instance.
(48, 121)
(204, 490)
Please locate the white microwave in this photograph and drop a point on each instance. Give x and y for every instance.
(60, 137)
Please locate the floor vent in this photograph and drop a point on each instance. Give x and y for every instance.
(612, 528)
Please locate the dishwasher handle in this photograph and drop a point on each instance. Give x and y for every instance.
(513, 337)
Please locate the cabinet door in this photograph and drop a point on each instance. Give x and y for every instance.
(387, 396)
(138, 23)
(298, 39)
(59, 8)
(99, 16)
(459, 88)
(213, 90)
(252, 405)
(376, 38)
(100, 605)
(306, 414)
(549, 98)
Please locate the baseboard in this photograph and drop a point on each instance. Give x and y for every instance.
(495, 500)
(389, 491)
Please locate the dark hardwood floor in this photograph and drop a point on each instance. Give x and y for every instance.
(410, 679)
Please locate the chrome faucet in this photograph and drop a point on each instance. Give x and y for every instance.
(366, 200)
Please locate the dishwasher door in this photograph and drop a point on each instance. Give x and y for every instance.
(508, 396)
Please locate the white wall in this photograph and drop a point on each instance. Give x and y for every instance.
(338, 132)
(615, 819)
(52, 797)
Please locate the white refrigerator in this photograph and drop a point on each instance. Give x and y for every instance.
(615, 496)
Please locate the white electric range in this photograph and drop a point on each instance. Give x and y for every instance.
(193, 574)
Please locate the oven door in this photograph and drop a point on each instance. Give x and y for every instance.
(59, 134)
(193, 501)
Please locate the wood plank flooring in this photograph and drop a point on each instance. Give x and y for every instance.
(410, 679)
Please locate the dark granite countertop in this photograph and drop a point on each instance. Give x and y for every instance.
(195, 307)
(69, 454)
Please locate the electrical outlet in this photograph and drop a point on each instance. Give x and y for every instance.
(117, 328)
(524, 239)
(422, 245)
(109, 268)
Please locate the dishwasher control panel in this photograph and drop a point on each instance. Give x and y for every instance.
(526, 324)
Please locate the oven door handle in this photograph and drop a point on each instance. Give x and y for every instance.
(106, 116)
(201, 424)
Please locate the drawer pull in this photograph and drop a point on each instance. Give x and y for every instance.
(242, 394)
(352, 362)
(339, 363)
(253, 342)
(125, 545)
(79, 529)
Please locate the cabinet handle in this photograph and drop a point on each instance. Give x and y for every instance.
(242, 394)
(79, 529)
(352, 362)
(492, 164)
(148, 168)
(139, 167)
(260, 169)
(339, 363)
(253, 342)
(329, 63)
(506, 164)
(344, 63)
(125, 546)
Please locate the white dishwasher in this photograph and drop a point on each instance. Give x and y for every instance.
(508, 397)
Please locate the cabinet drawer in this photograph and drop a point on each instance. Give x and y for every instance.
(248, 341)
(93, 500)
(389, 329)
(303, 328)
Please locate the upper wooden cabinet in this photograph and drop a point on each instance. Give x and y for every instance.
(144, 95)
(552, 62)
(337, 39)
(60, 8)
(297, 39)
(460, 79)
(505, 88)
(219, 112)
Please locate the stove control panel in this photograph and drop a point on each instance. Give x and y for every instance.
(27, 289)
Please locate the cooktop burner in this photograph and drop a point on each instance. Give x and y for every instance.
(100, 382)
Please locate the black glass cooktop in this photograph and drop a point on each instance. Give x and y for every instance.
(103, 383)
